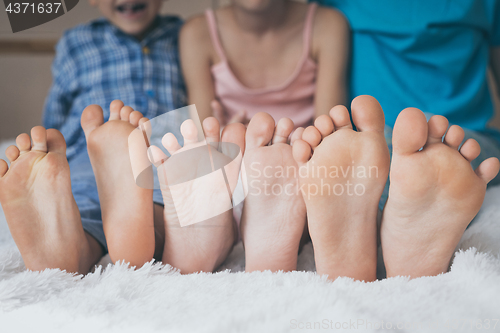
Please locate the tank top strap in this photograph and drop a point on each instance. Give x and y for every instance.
(308, 28)
(214, 33)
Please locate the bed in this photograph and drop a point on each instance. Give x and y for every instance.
(117, 298)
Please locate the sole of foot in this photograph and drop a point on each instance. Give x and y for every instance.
(343, 174)
(127, 209)
(434, 194)
(35, 193)
(197, 182)
(274, 213)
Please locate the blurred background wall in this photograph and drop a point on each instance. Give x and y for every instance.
(25, 76)
(25, 67)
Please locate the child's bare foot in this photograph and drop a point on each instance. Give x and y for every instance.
(433, 196)
(43, 218)
(199, 226)
(127, 209)
(274, 213)
(342, 183)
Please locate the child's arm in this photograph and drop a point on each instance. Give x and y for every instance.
(197, 56)
(495, 67)
(63, 89)
(330, 49)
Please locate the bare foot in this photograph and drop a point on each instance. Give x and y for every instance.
(199, 226)
(274, 213)
(342, 183)
(127, 209)
(433, 196)
(41, 212)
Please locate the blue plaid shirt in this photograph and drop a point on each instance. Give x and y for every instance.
(96, 63)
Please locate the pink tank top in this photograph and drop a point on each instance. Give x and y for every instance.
(293, 99)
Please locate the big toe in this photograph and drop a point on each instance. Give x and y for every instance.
(92, 117)
(232, 146)
(410, 131)
(260, 131)
(367, 114)
(211, 127)
(235, 133)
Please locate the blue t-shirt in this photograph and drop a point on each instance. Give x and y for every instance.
(429, 54)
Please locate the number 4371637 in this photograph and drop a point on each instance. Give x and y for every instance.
(26, 7)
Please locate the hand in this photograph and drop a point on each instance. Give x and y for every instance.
(221, 115)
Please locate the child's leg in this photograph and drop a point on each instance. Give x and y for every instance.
(274, 213)
(433, 196)
(205, 245)
(342, 183)
(36, 196)
(127, 209)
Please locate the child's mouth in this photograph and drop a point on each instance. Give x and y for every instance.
(131, 9)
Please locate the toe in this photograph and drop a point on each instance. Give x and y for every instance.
(235, 133)
(232, 146)
(135, 116)
(488, 169)
(92, 117)
(454, 136)
(301, 151)
(125, 113)
(283, 130)
(12, 153)
(3, 168)
(312, 136)
(297, 134)
(340, 117)
(437, 128)
(156, 155)
(39, 137)
(170, 142)
(367, 114)
(324, 124)
(140, 160)
(189, 132)
(260, 131)
(470, 150)
(211, 127)
(23, 142)
(217, 110)
(114, 109)
(147, 130)
(410, 131)
(55, 141)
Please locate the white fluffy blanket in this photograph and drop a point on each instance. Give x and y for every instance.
(153, 298)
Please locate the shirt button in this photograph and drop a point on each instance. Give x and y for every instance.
(150, 93)
(146, 50)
